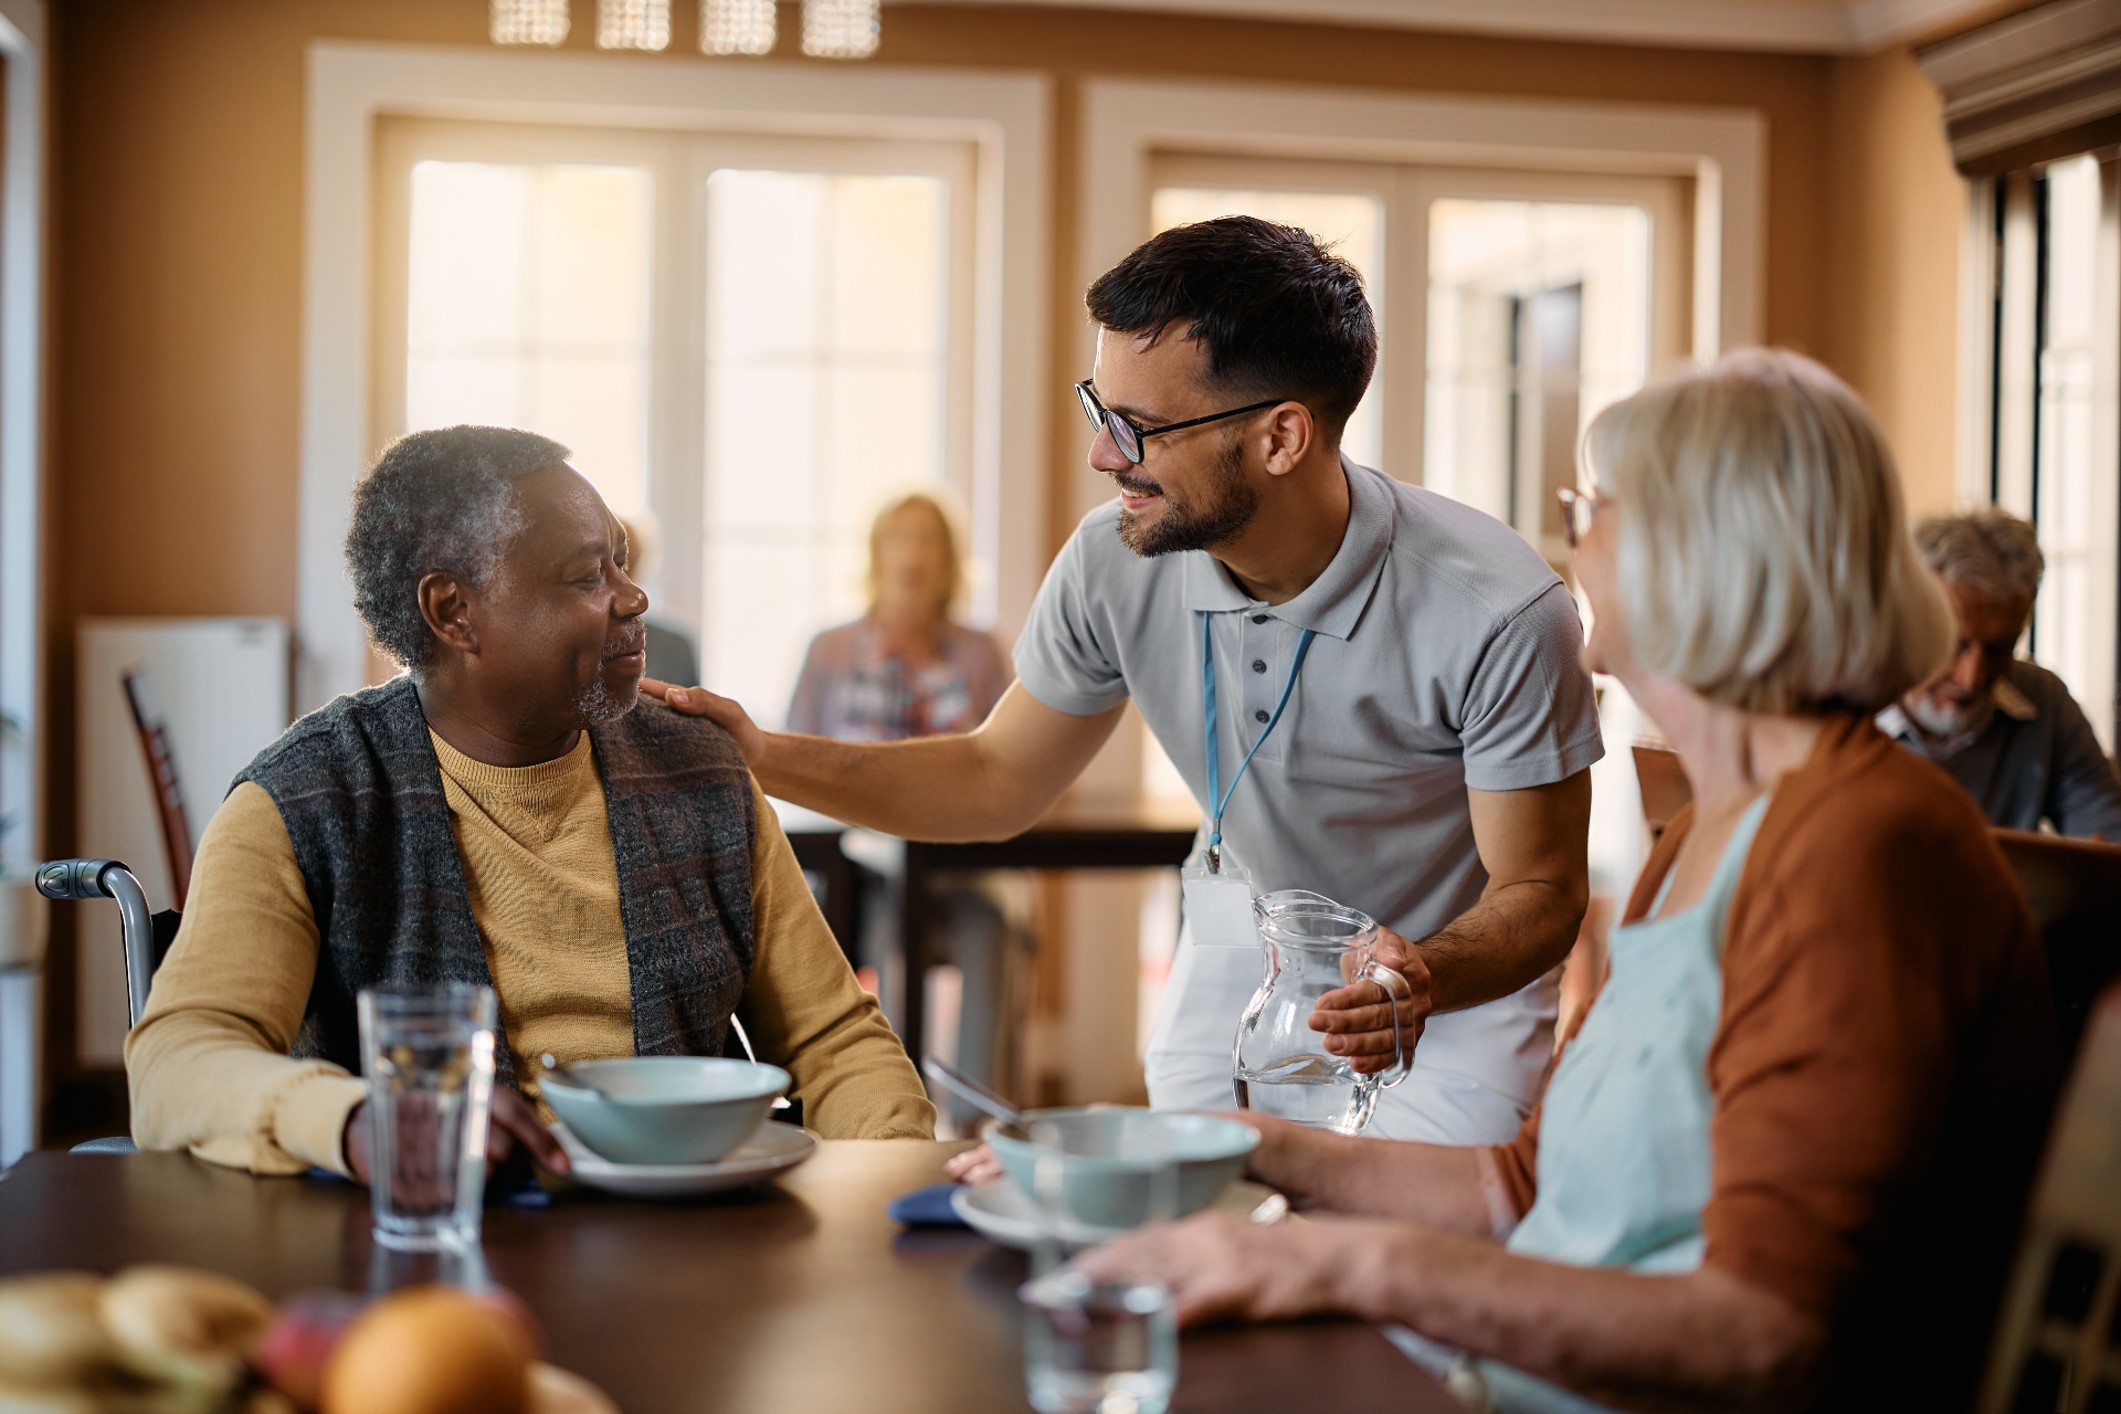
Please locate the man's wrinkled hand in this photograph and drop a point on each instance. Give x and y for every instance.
(724, 712)
(1357, 1019)
(1218, 1267)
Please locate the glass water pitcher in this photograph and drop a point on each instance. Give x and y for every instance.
(1312, 946)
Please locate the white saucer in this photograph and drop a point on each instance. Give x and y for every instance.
(1000, 1212)
(772, 1151)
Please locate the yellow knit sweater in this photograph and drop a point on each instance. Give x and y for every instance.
(208, 1062)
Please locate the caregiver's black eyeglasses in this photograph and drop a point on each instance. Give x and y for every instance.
(1128, 435)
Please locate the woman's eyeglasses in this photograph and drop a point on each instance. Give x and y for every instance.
(1128, 435)
(1578, 510)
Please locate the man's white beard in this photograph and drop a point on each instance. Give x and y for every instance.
(599, 705)
(1953, 727)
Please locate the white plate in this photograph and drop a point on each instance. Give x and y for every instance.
(1000, 1212)
(772, 1151)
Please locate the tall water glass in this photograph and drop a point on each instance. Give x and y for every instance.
(429, 1054)
(1095, 1347)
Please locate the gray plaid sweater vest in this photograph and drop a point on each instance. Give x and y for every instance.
(361, 794)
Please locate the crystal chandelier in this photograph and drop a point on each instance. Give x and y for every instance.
(840, 29)
(738, 26)
(633, 24)
(528, 22)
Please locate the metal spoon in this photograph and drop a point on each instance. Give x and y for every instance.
(570, 1077)
(978, 1095)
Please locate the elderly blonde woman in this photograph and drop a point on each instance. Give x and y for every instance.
(1780, 1165)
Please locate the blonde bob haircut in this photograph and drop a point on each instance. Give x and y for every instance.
(917, 503)
(1764, 559)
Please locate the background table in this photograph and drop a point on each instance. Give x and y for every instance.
(803, 1299)
(1074, 836)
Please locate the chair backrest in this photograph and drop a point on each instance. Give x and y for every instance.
(146, 937)
(162, 775)
(2074, 887)
(2058, 1345)
(1664, 785)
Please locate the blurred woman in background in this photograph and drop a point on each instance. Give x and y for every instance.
(906, 669)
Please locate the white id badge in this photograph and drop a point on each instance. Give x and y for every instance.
(1219, 904)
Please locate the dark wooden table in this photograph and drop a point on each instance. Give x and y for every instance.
(801, 1299)
(1074, 836)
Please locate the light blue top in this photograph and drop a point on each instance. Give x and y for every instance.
(1624, 1138)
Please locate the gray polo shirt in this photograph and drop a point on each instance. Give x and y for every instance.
(2037, 759)
(1447, 656)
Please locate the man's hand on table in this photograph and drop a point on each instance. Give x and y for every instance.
(515, 1129)
(724, 712)
(1357, 1018)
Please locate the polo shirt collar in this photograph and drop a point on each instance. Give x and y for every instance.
(1333, 603)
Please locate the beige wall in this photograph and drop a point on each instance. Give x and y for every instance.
(178, 241)
(1896, 211)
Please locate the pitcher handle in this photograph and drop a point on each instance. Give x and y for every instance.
(1400, 990)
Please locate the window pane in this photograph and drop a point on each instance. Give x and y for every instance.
(1538, 317)
(2073, 626)
(529, 307)
(1352, 223)
(827, 322)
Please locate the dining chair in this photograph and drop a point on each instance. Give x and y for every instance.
(162, 778)
(1664, 785)
(2074, 887)
(2058, 1344)
(145, 938)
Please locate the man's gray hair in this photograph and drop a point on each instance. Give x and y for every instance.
(442, 500)
(1988, 552)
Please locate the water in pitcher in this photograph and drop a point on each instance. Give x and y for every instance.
(1322, 1091)
(1311, 946)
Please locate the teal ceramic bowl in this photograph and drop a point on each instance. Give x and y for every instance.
(1104, 1152)
(666, 1109)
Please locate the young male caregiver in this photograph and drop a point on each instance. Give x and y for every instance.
(1399, 717)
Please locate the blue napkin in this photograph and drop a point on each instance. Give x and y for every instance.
(926, 1207)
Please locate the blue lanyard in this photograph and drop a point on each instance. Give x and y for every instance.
(1219, 798)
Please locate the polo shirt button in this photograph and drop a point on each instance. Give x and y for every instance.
(1260, 716)
(1259, 665)
(1259, 618)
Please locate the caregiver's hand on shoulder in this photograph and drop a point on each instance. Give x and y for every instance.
(724, 712)
(1222, 1267)
(1357, 1018)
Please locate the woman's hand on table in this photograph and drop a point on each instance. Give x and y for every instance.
(514, 1129)
(724, 712)
(1357, 1019)
(974, 1166)
(1221, 1267)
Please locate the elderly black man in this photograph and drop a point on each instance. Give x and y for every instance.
(505, 810)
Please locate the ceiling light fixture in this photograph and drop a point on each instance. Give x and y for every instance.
(738, 26)
(841, 29)
(528, 22)
(633, 24)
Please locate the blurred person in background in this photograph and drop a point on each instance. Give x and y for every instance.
(2004, 728)
(906, 669)
(1783, 1162)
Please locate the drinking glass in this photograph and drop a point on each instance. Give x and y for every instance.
(1095, 1347)
(428, 1053)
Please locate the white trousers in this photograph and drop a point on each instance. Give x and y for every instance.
(1188, 1059)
